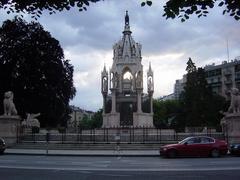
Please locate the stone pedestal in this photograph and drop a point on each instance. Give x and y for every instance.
(9, 129)
(231, 127)
(111, 120)
(142, 120)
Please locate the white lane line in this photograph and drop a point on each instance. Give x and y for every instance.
(114, 175)
(81, 163)
(7, 161)
(45, 162)
(119, 169)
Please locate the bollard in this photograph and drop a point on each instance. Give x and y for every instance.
(47, 141)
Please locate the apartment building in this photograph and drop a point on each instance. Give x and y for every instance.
(221, 78)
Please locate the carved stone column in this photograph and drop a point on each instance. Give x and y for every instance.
(113, 101)
(151, 105)
(139, 101)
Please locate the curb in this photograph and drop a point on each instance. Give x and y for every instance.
(87, 155)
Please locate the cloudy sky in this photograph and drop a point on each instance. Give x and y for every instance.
(87, 39)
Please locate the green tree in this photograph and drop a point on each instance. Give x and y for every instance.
(172, 9)
(32, 65)
(200, 104)
(85, 122)
(166, 113)
(92, 122)
(190, 66)
(97, 119)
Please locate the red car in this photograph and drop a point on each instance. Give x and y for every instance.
(195, 146)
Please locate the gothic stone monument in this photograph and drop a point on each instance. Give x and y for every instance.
(9, 121)
(125, 82)
(231, 121)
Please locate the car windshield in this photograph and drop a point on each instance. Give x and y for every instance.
(184, 140)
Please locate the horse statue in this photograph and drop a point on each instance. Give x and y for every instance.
(9, 107)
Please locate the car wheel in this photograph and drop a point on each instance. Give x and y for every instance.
(172, 153)
(215, 153)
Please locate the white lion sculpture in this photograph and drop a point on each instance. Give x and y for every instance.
(9, 107)
(235, 101)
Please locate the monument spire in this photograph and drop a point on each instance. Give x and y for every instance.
(127, 25)
(126, 18)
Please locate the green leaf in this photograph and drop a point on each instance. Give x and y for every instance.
(194, 8)
(72, 3)
(237, 18)
(149, 3)
(211, 5)
(86, 2)
(143, 4)
(221, 4)
(199, 11)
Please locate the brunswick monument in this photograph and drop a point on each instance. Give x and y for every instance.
(122, 107)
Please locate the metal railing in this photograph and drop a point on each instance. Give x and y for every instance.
(108, 135)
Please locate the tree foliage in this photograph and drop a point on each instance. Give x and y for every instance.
(92, 122)
(191, 68)
(182, 9)
(201, 106)
(198, 106)
(166, 113)
(32, 65)
(35, 7)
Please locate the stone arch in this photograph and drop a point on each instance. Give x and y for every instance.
(139, 79)
(127, 73)
(150, 83)
(127, 79)
(104, 84)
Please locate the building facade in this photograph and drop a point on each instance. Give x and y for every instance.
(125, 82)
(77, 115)
(221, 78)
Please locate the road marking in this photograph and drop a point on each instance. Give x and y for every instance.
(115, 175)
(46, 162)
(80, 163)
(120, 169)
(8, 161)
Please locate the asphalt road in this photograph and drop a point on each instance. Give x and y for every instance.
(108, 168)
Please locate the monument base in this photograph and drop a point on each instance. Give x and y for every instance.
(111, 120)
(139, 120)
(231, 127)
(9, 129)
(142, 120)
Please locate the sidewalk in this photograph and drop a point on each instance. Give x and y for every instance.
(134, 153)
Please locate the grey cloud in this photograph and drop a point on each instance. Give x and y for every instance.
(85, 35)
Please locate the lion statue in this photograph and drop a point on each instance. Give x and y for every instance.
(235, 101)
(9, 107)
